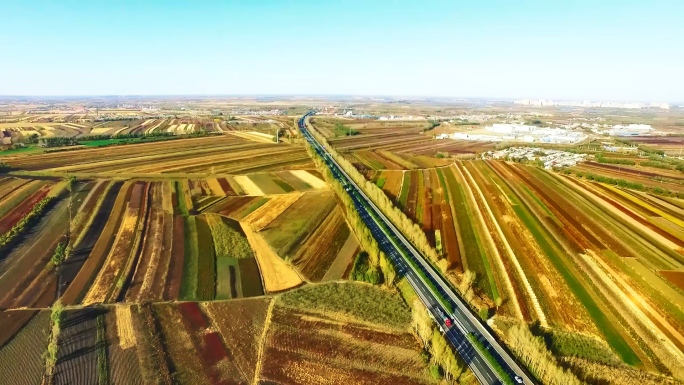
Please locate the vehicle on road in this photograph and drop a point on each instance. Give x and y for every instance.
(518, 380)
(432, 289)
(447, 320)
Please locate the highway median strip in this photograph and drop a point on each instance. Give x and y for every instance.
(493, 363)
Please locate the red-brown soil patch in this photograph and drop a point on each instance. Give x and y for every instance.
(676, 277)
(177, 256)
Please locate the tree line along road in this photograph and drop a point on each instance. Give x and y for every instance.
(471, 337)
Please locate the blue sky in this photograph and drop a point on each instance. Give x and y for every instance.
(617, 50)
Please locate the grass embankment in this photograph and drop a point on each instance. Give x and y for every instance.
(403, 196)
(228, 238)
(206, 264)
(102, 365)
(188, 290)
(102, 142)
(443, 183)
(22, 151)
(355, 300)
(51, 354)
(230, 245)
(182, 206)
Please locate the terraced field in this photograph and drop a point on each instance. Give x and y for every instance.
(223, 154)
(396, 145)
(570, 254)
(231, 342)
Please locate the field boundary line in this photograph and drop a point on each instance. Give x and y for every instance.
(633, 300)
(491, 242)
(262, 341)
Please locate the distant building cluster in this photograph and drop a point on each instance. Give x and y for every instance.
(245, 111)
(402, 117)
(514, 132)
(550, 158)
(588, 104)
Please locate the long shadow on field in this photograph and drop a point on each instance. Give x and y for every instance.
(16, 244)
(76, 317)
(70, 268)
(78, 347)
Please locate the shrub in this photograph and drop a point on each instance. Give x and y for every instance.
(25, 223)
(60, 254)
(436, 372)
(483, 313)
(360, 267)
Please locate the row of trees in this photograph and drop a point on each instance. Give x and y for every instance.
(437, 349)
(51, 353)
(532, 351)
(28, 220)
(601, 159)
(373, 266)
(410, 229)
(126, 138)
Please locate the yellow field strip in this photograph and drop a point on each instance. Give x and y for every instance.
(635, 303)
(12, 125)
(110, 271)
(309, 179)
(592, 193)
(206, 160)
(254, 136)
(247, 185)
(99, 130)
(124, 326)
(153, 128)
(215, 187)
(117, 132)
(276, 274)
(264, 215)
(647, 206)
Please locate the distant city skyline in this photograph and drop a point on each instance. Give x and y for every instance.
(621, 51)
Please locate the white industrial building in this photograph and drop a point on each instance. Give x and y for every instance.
(630, 130)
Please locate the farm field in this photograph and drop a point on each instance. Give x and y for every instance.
(647, 177)
(235, 342)
(571, 254)
(396, 145)
(139, 241)
(223, 154)
(224, 259)
(71, 127)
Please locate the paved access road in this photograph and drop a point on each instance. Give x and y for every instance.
(411, 264)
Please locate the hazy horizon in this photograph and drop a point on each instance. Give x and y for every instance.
(598, 51)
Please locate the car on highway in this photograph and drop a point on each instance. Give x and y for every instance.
(447, 321)
(518, 380)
